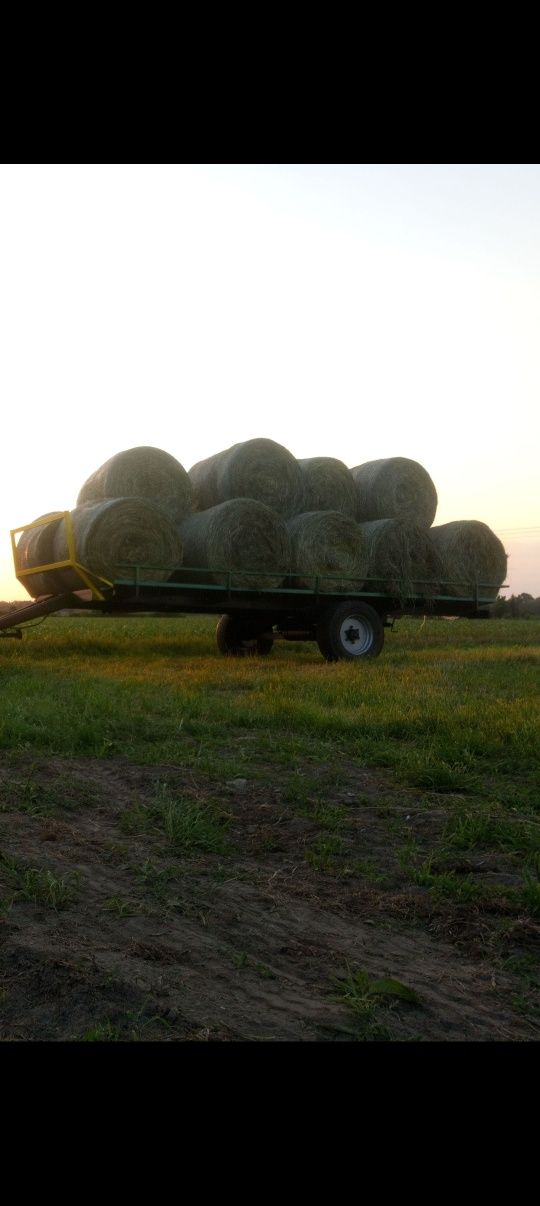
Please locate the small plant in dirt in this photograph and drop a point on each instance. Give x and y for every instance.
(368, 870)
(154, 881)
(364, 997)
(469, 827)
(428, 873)
(445, 884)
(326, 816)
(104, 1032)
(530, 893)
(264, 971)
(122, 907)
(187, 825)
(301, 790)
(526, 970)
(436, 775)
(38, 885)
(323, 853)
(243, 960)
(38, 798)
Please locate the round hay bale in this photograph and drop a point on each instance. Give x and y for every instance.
(119, 532)
(403, 561)
(470, 553)
(142, 473)
(259, 469)
(203, 483)
(394, 488)
(36, 547)
(328, 486)
(328, 543)
(240, 534)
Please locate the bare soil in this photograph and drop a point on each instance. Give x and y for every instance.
(253, 943)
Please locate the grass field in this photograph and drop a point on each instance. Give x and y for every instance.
(198, 847)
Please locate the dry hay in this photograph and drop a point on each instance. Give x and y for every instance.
(328, 486)
(470, 553)
(116, 533)
(328, 543)
(238, 535)
(394, 488)
(35, 547)
(259, 469)
(142, 473)
(403, 561)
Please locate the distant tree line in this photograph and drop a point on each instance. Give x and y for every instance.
(517, 607)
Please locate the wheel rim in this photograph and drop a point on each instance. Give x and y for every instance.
(356, 636)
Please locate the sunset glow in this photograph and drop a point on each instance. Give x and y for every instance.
(348, 310)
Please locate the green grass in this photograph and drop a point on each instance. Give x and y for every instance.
(183, 823)
(103, 1032)
(471, 828)
(444, 707)
(26, 794)
(37, 885)
(449, 715)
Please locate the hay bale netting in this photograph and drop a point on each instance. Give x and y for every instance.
(119, 532)
(403, 561)
(328, 543)
(259, 469)
(394, 488)
(470, 553)
(36, 547)
(142, 473)
(328, 486)
(240, 534)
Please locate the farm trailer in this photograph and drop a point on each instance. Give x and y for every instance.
(346, 624)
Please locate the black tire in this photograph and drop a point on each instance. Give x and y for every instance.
(323, 641)
(350, 632)
(235, 638)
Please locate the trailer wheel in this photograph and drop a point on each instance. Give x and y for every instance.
(235, 639)
(350, 631)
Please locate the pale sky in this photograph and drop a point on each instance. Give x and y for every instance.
(348, 310)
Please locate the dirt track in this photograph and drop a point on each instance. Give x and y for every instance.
(250, 944)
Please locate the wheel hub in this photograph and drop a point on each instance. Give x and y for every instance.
(356, 637)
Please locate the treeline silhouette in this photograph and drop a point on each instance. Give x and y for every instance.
(517, 607)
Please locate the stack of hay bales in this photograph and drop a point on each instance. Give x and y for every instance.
(396, 502)
(256, 511)
(396, 506)
(127, 513)
(315, 497)
(258, 469)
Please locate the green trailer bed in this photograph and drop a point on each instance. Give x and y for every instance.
(346, 624)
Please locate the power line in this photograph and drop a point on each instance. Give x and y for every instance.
(519, 531)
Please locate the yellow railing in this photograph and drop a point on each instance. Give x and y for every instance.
(88, 579)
